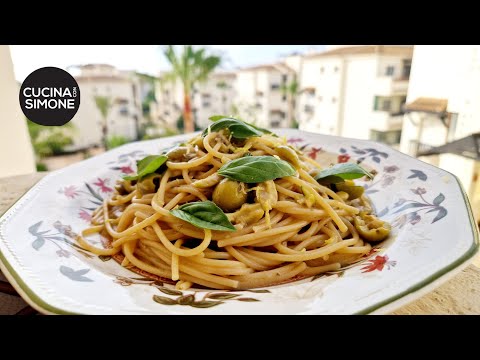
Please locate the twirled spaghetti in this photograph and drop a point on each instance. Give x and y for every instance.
(286, 228)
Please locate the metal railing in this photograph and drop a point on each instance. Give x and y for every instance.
(417, 147)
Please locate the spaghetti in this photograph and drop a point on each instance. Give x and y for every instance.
(282, 229)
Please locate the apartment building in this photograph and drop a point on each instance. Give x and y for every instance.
(355, 91)
(168, 105)
(253, 93)
(259, 96)
(125, 114)
(214, 97)
(443, 106)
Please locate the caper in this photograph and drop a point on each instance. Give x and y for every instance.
(353, 191)
(229, 195)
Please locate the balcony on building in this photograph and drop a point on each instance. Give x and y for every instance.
(393, 80)
(388, 112)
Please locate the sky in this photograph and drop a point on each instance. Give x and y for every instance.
(143, 58)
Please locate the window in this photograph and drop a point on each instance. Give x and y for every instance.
(258, 106)
(391, 137)
(206, 104)
(284, 78)
(334, 100)
(386, 105)
(389, 70)
(407, 65)
(382, 103)
(284, 97)
(335, 69)
(275, 86)
(452, 125)
(275, 123)
(123, 110)
(308, 109)
(166, 113)
(322, 70)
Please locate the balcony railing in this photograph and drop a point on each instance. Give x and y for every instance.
(417, 147)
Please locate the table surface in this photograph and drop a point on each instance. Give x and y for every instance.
(460, 295)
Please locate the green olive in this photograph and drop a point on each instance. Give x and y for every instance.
(229, 195)
(371, 228)
(288, 154)
(353, 191)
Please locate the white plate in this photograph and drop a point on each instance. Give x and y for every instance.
(434, 235)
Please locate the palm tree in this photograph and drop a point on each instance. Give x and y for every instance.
(104, 104)
(291, 91)
(190, 67)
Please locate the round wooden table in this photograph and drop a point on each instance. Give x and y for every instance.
(460, 295)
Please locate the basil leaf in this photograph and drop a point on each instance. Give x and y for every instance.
(238, 129)
(255, 169)
(147, 165)
(341, 172)
(217, 117)
(205, 215)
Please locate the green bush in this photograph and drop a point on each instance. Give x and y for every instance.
(41, 167)
(116, 141)
(49, 140)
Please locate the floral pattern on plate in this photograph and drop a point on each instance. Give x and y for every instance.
(38, 248)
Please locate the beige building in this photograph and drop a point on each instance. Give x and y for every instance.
(168, 105)
(355, 91)
(443, 106)
(259, 97)
(16, 153)
(214, 97)
(125, 115)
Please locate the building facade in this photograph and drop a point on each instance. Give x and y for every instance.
(123, 89)
(355, 91)
(214, 97)
(442, 106)
(259, 95)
